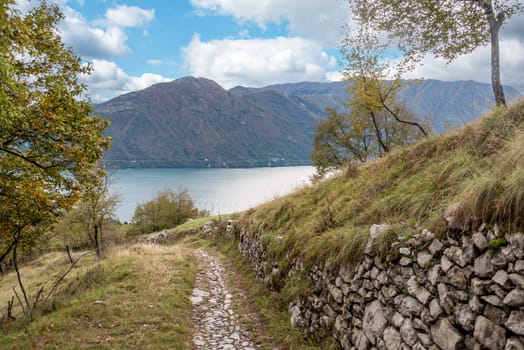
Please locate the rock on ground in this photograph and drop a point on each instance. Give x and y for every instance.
(216, 324)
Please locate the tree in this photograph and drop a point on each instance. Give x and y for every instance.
(48, 138)
(167, 210)
(340, 140)
(446, 28)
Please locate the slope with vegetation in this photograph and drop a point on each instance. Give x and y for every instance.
(480, 166)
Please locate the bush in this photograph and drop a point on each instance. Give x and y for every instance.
(167, 210)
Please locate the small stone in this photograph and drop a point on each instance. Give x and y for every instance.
(480, 241)
(397, 319)
(515, 322)
(374, 321)
(493, 300)
(389, 292)
(499, 261)
(446, 264)
(409, 306)
(514, 343)
(336, 293)
(361, 342)
(425, 339)
(435, 246)
(483, 265)
(405, 261)
(427, 235)
(515, 298)
(341, 324)
(433, 274)
(517, 279)
(489, 334)
(464, 317)
(434, 308)
(501, 277)
(479, 286)
(404, 251)
(339, 281)
(456, 255)
(495, 314)
(392, 339)
(423, 258)
(346, 272)
(457, 278)
(519, 266)
(516, 240)
(408, 333)
(445, 335)
(475, 304)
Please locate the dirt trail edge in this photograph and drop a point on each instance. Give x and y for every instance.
(216, 325)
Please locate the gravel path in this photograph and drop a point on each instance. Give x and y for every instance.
(216, 325)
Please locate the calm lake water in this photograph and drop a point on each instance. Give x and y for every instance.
(220, 191)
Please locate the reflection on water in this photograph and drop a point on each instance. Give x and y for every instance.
(220, 191)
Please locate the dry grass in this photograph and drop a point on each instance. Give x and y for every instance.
(138, 297)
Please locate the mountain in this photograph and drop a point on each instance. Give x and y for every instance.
(194, 122)
(445, 103)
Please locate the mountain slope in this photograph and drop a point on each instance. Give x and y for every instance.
(445, 103)
(194, 122)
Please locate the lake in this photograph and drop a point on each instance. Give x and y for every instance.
(220, 191)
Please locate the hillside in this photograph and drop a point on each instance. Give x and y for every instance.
(479, 165)
(421, 249)
(194, 122)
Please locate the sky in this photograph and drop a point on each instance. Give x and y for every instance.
(132, 44)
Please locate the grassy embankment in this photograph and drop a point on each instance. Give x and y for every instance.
(137, 297)
(480, 165)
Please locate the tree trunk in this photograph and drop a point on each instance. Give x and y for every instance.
(495, 22)
(498, 90)
(97, 245)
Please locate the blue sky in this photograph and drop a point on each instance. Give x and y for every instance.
(132, 44)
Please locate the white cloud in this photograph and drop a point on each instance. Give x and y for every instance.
(477, 65)
(130, 16)
(313, 19)
(257, 62)
(334, 76)
(102, 38)
(91, 41)
(109, 80)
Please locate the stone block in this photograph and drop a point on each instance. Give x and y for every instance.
(515, 298)
(514, 343)
(480, 241)
(446, 336)
(489, 334)
(374, 321)
(392, 339)
(456, 255)
(423, 258)
(515, 322)
(483, 266)
(408, 333)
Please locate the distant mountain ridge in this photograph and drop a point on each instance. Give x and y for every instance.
(194, 122)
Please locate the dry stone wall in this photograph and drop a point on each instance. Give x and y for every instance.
(428, 293)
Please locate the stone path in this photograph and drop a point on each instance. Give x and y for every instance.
(216, 325)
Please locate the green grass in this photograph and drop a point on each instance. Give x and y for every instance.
(138, 297)
(480, 165)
